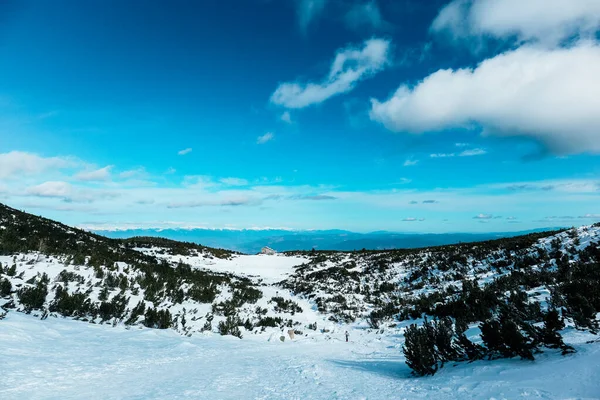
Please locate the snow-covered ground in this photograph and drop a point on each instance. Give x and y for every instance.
(270, 268)
(63, 359)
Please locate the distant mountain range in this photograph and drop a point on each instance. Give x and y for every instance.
(251, 241)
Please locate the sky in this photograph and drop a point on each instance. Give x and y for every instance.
(365, 115)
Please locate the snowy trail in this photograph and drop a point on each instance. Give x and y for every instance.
(63, 359)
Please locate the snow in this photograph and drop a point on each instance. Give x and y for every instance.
(267, 269)
(59, 358)
(63, 359)
(271, 268)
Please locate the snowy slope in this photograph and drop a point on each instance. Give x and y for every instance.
(71, 329)
(63, 359)
(84, 280)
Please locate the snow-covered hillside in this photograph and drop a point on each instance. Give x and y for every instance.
(292, 311)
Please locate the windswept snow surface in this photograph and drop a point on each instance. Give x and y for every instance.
(63, 359)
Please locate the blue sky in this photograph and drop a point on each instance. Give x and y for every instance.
(410, 116)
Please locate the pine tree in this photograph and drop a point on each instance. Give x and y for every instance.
(516, 343)
(503, 337)
(492, 338)
(550, 336)
(419, 350)
(470, 351)
(443, 339)
(5, 287)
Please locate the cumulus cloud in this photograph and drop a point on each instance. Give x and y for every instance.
(102, 174)
(184, 151)
(19, 163)
(365, 14)
(350, 65)
(549, 95)
(265, 138)
(548, 22)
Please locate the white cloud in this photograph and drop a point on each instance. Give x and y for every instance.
(412, 219)
(442, 155)
(308, 10)
(51, 189)
(349, 67)
(102, 174)
(234, 201)
(410, 163)
(483, 216)
(472, 152)
(265, 138)
(590, 216)
(17, 164)
(233, 181)
(184, 151)
(286, 117)
(200, 182)
(134, 173)
(69, 192)
(549, 95)
(363, 14)
(564, 186)
(544, 21)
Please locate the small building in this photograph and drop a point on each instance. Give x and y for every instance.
(267, 250)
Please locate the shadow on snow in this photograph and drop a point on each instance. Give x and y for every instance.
(392, 369)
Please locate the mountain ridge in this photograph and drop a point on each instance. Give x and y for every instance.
(251, 241)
